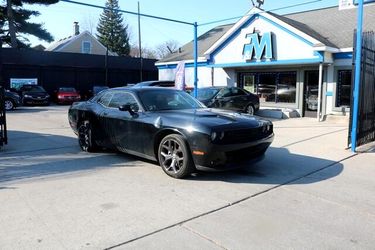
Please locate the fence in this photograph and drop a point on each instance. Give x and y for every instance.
(366, 113)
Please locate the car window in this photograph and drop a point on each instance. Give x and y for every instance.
(238, 91)
(122, 98)
(225, 92)
(156, 100)
(105, 99)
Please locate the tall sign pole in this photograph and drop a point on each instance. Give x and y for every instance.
(357, 79)
(195, 59)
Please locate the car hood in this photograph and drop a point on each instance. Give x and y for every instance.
(214, 118)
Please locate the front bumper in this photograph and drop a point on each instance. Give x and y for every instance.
(231, 155)
(35, 101)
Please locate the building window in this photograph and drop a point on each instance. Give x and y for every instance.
(344, 85)
(86, 47)
(272, 87)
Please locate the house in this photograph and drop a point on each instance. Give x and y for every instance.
(84, 43)
(284, 59)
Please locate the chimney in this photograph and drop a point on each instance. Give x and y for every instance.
(76, 28)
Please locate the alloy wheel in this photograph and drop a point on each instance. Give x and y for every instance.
(9, 105)
(172, 156)
(250, 110)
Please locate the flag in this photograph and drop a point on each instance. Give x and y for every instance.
(180, 76)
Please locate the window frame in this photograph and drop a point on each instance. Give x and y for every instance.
(83, 47)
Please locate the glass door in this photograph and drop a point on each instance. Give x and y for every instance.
(310, 94)
(248, 83)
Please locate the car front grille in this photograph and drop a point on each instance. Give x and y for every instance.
(245, 135)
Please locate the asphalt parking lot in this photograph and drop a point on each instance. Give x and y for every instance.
(308, 193)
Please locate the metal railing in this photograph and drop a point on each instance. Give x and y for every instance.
(3, 125)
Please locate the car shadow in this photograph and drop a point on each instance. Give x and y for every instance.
(37, 155)
(278, 167)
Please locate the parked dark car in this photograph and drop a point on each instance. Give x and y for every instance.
(155, 83)
(86, 95)
(169, 126)
(67, 95)
(11, 100)
(34, 95)
(230, 98)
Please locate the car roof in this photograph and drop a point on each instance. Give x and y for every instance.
(143, 88)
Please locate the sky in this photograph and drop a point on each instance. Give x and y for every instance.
(58, 18)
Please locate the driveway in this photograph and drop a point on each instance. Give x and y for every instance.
(308, 192)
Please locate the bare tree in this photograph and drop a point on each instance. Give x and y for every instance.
(89, 23)
(146, 52)
(166, 48)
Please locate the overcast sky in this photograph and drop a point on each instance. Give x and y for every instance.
(59, 18)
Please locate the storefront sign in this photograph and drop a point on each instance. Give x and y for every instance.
(258, 47)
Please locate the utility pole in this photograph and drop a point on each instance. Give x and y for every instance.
(140, 43)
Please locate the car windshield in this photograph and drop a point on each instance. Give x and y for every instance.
(33, 89)
(168, 99)
(205, 93)
(67, 89)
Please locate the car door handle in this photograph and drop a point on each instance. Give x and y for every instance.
(231, 101)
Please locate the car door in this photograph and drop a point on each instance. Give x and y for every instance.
(239, 98)
(223, 99)
(125, 128)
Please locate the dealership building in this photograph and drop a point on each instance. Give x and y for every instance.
(285, 59)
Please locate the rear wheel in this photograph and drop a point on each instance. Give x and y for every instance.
(250, 109)
(9, 104)
(174, 156)
(85, 138)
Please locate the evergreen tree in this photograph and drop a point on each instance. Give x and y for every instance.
(14, 23)
(111, 31)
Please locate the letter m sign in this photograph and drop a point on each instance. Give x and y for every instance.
(258, 49)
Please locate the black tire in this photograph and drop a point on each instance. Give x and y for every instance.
(174, 156)
(9, 104)
(85, 138)
(250, 109)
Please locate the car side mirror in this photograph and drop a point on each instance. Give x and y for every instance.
(132, 109)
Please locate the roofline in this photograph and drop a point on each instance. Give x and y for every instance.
(200, 60)
(247, 17)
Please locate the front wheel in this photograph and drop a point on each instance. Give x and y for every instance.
(9, 105)
(174, 156)
(85, 138)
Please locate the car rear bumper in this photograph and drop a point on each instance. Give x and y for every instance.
(232, 155)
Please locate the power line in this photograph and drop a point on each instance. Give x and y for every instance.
(237, 17)
(127, 12)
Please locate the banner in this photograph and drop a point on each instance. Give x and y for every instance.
(180, 76)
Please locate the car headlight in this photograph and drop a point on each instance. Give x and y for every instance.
(215, 136)
(27, 96)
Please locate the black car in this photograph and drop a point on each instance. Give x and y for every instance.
(169, 126)
(11, 100)
(231, 98)
(34, 95)
(155, 83)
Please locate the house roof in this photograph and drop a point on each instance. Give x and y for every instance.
(57, 46)
(205, 41)
(330, 26)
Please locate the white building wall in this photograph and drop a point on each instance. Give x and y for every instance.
(286, 46)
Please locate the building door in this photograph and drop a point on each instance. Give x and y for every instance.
(310, 94)
(247, 82)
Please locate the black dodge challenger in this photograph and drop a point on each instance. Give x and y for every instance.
(168, 126)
